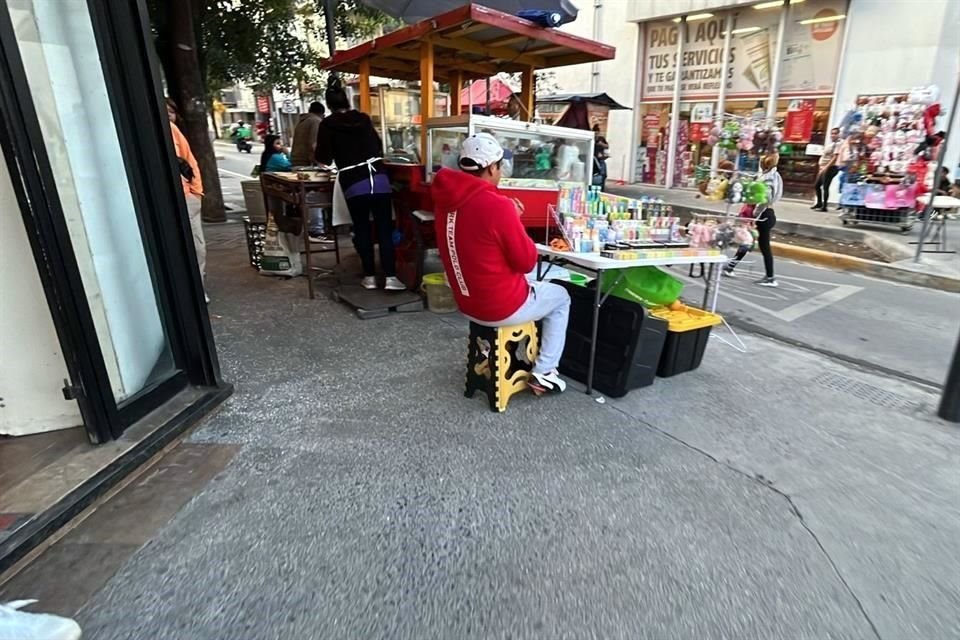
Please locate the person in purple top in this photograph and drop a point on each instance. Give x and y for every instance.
(348, 138)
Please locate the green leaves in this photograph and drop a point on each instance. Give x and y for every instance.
(269, 44)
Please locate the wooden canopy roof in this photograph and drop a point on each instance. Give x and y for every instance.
(470, 42)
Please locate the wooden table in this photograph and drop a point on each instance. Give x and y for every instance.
(598, 264)
(304, 195)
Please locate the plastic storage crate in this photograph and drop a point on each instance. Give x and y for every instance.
(687, 335)
(629, 342)
(256, 233)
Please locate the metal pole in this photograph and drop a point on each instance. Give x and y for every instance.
(775, 73)
(950, 402)
(597, 35)
(730, 20)
(927, 210)
(329, 14)
(675, 108)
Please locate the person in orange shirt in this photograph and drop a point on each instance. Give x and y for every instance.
(192, 188)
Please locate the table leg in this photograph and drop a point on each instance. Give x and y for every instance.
(707, 278)
(305, 222)
(597, 301)
(718, 275)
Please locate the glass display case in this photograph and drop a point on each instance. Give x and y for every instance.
(395, 112)
(535, 155)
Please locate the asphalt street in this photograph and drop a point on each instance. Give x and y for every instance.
(899, 329)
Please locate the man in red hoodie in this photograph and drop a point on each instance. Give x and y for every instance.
(487, 255)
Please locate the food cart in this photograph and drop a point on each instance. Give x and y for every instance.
(454, 48)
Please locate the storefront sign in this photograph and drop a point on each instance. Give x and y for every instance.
(263, 104)
(810, 55)
(799, 122)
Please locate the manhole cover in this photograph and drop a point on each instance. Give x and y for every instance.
(871, 393)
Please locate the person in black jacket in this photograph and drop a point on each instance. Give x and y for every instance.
(348, 138)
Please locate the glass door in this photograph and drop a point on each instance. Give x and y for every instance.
(59, 53)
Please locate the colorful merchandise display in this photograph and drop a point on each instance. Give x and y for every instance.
(618, 227)
(892, 140)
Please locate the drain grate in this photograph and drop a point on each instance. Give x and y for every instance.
(871, 393)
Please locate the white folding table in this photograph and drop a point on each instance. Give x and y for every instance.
(940, 212)
(598, 264)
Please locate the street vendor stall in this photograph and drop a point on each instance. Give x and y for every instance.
(472, 42)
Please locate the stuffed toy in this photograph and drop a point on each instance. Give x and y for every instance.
(736, 192)
(723, 235)
(930, 118)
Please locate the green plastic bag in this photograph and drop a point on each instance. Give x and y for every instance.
(649, 286)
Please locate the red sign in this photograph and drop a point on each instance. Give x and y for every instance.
(799, 123)
(263, 104)
(651, 129)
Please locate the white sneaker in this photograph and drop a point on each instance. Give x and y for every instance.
(23, 625)
(394, 284)
(370, 282)
(768, 282)
(546, 383)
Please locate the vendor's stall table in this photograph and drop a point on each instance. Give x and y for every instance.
(598, 264)
(940, 209)
(304, 195)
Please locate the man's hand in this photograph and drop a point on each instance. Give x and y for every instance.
(519, 206)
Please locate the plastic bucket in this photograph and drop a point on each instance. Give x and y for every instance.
(439, 296)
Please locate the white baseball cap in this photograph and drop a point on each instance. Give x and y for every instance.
(482, 149)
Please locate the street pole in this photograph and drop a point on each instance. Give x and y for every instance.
(928, 209)
(950, 402)
(329, 12)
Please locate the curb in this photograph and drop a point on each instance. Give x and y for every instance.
(868, 267)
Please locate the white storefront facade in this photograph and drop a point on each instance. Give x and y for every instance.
(817, 55)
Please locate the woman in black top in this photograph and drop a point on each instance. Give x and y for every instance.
(348, 137)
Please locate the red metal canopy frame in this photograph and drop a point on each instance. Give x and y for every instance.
(467, 43)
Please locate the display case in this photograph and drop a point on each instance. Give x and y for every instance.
(535, 155)
(395, 112)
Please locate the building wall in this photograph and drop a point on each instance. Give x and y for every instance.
(617, 77)
(639, 10)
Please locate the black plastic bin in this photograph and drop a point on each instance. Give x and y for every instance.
(683, 351)
(629, 343)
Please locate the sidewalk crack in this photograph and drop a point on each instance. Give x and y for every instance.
(793, 509)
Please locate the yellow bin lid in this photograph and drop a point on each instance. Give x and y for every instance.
(683, 318)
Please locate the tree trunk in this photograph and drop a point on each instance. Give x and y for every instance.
(187, 88)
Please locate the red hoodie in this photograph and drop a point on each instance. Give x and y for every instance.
(485, 250)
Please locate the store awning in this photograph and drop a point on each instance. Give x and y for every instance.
(473, 40)
(601, 99)
(417, 10)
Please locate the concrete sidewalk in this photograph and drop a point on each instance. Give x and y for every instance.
(934, 270)
(368, 499)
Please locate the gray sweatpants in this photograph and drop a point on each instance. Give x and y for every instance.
(548, 302)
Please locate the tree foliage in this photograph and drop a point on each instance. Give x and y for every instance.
(269, 44)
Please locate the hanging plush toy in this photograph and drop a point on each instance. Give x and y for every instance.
(736, 192)
(723, 236)
(930, 118)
